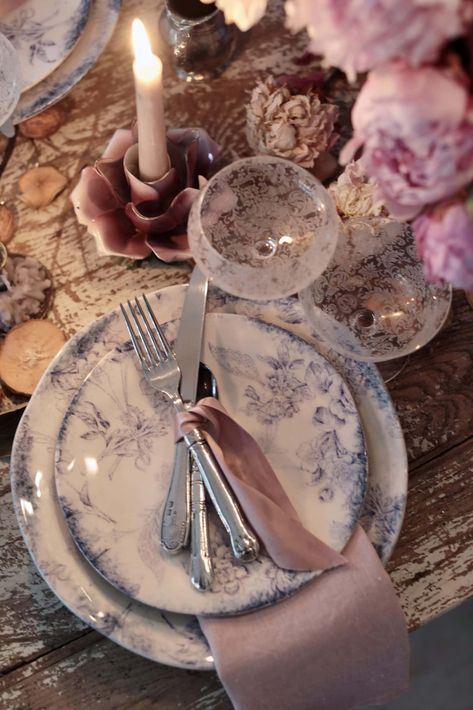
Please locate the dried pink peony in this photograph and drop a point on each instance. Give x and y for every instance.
(444, 237)
(416, 130)
(356, 35)
(297, 127)
(354, 193)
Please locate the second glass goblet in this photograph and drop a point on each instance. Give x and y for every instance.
(263, 228)
(373, 302)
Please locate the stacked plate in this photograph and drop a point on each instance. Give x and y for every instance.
(89, 480)
(56, 43)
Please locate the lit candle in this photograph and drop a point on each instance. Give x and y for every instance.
(148, 72)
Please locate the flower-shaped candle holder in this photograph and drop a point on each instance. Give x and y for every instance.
(132, 218)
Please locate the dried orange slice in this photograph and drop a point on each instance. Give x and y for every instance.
(7, 224)
(39, 186)
(26, 352)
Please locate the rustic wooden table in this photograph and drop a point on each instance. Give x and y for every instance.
(50, 659)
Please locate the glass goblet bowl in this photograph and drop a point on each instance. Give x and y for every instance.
(263, 228)
(373, 301)
(10, 79)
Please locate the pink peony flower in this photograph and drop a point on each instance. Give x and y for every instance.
(356, 35)
(444, 237)
(416, 130)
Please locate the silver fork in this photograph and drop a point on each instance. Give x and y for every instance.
(162, 372)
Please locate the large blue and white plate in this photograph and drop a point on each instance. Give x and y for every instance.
(98, 29)
(43, 34)
(174, 639)
(116, 446)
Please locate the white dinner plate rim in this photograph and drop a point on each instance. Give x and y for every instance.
(121, 627)
(257, 587)
(97, 32)
(73, 35)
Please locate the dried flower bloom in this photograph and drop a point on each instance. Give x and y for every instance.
(244, 13)
(354, 193)
(444, 237)
(351, 39)
(297, 127)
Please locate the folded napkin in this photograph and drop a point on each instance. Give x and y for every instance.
(340, 641)
(258, 490)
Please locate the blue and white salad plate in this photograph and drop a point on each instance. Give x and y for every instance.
(116, 447)
(174, 639)
(94, 36)
(43, 33)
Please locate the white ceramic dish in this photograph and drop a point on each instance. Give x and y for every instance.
(96, 33)
(43, 34)
(116, 446)
(174, 639)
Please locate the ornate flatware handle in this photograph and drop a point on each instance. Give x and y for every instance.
(175, 522)
(244, 543)
(201, 561)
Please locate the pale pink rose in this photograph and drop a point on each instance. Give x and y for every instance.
(416, 130)
(444, 238)
(356, 35)
(244, 13)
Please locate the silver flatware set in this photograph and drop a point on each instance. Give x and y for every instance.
(196, 473)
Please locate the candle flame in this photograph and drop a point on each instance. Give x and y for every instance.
(141, 43)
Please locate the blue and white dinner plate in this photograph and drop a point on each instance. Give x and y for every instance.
(174, 639)
(116, 446)
(95, 34)
(43, 33)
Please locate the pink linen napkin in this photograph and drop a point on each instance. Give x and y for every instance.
(7, 6)
(257, 488)
(338, 643)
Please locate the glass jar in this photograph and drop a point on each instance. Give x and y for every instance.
(201, 43)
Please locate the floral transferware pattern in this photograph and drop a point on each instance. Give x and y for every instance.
(115, 450)
(101, 20)
(10, 79)
(43, 34)
(173, 638)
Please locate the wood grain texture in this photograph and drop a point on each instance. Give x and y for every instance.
(434, 394)
(50, 659)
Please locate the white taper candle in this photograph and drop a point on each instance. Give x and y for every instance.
(148, 72)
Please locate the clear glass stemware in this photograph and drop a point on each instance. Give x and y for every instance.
(263, 228)
(373, 302)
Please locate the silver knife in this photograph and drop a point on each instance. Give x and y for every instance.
(201, 568)
(177, 514)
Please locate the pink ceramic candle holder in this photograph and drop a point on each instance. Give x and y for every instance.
(132, 218)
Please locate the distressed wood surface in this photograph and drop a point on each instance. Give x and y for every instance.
(50, 659)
